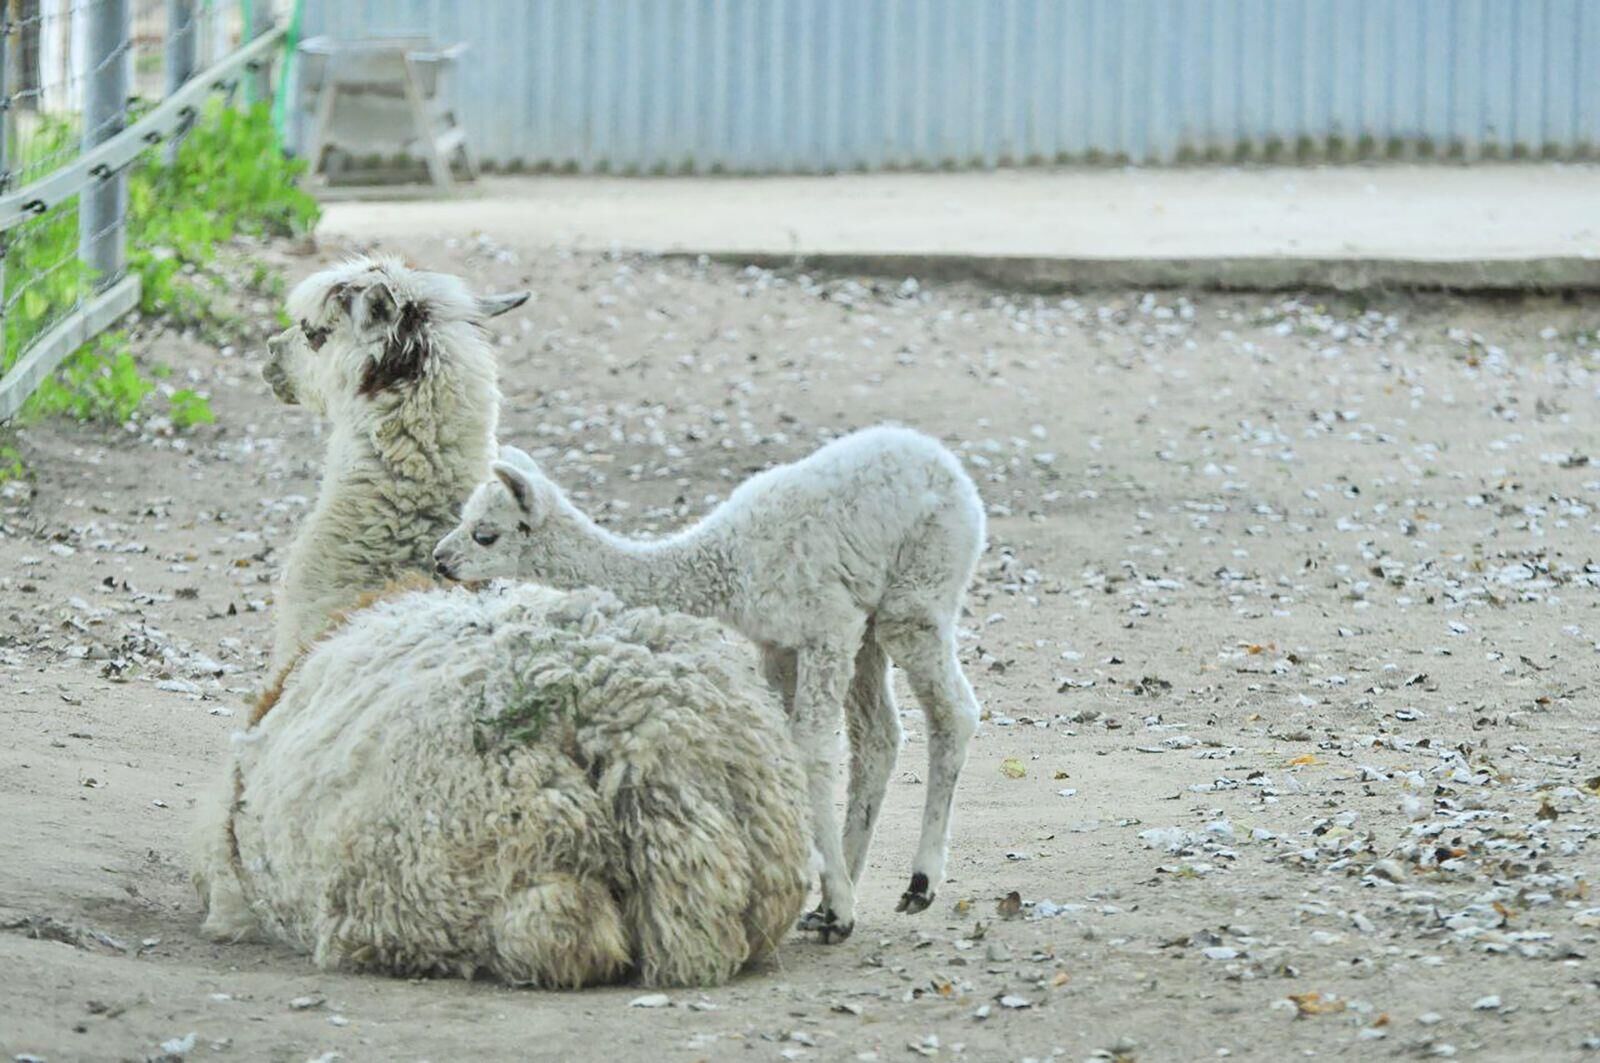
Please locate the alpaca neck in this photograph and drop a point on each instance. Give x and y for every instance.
(382, 476)
(668, 573)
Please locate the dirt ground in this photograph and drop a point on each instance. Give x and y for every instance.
(1287, 636)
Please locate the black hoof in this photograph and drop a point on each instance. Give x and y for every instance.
(912, 903)
(917, 898)
(826, 925)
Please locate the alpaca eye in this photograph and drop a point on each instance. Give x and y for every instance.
(315, 336)
(485, 537)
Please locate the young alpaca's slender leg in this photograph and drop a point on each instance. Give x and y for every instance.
(873, 725)
(822, 676)
(925, 648)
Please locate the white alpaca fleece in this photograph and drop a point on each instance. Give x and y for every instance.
(396, 359)
(539, 786)
(860, 553)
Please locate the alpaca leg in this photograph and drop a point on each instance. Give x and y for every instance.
(873, 725)
(216, 870)
(561, 933)
(926, 649)
(822, 676)
(687, 885)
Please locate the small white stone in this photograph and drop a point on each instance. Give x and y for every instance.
(650, 1000)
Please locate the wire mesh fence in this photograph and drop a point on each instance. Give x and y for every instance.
(89, 90)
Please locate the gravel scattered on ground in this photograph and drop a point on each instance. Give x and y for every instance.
(1287, 636)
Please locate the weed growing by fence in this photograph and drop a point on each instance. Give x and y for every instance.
(102, 383)
(228, 179)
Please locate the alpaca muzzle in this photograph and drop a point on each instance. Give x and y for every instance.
(277, 379)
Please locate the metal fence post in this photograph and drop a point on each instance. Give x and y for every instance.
(182, 37)
(102, 205)
(5, 169)
(261, 21)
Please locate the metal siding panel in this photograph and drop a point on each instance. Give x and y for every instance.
(810, 85)
(1527, 81)
(975, 34)
(1434, 121)
(1401, 116)
(1555, 119)
(1499, 50)
(1587, 44)
(625, 40)
(887, 117)
(1466, 96)
(1075, 103)
(1132, 18)
(1036, 87)
(1099, 87)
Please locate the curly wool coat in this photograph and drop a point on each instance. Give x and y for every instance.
(540, 786)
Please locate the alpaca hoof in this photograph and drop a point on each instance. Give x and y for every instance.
(826, 925)
(912, 903)
(917, 898)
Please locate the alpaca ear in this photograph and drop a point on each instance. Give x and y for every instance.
(498, 303)
(517, 459)
(374, 307)
(404, 355)
(517, 483)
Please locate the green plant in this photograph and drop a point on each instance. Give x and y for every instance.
(99, 383)
(228, 178)
(188, 408)
(11, 467)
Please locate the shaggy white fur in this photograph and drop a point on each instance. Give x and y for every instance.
(396, 359)
(858, 554)
(541, 786)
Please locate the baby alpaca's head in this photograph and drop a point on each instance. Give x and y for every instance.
(373, 327)
(501, 524)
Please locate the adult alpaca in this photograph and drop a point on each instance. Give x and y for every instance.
(543, 787)
(396, 359)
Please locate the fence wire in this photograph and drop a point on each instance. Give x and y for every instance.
(72, 74)
(48, 67)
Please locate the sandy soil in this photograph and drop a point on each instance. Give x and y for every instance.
(1287, 634)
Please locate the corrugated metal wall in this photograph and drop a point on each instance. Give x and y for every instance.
(820, 85)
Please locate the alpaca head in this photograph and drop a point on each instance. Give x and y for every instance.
(501, 523)
(373, 328)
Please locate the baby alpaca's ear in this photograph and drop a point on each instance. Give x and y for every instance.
(512, 456)
(517, 483)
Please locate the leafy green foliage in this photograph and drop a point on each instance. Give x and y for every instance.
(11, 467)
(99, 383)
(188, 408)
(228, 179)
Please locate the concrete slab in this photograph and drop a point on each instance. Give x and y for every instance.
(1488, 226)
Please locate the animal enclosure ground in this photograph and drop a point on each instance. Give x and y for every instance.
(1287, 633)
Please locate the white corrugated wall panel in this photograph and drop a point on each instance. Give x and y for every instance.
(776, 86)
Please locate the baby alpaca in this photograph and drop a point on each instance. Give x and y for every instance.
(834, 565)
(540, 786)
(396, 359)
